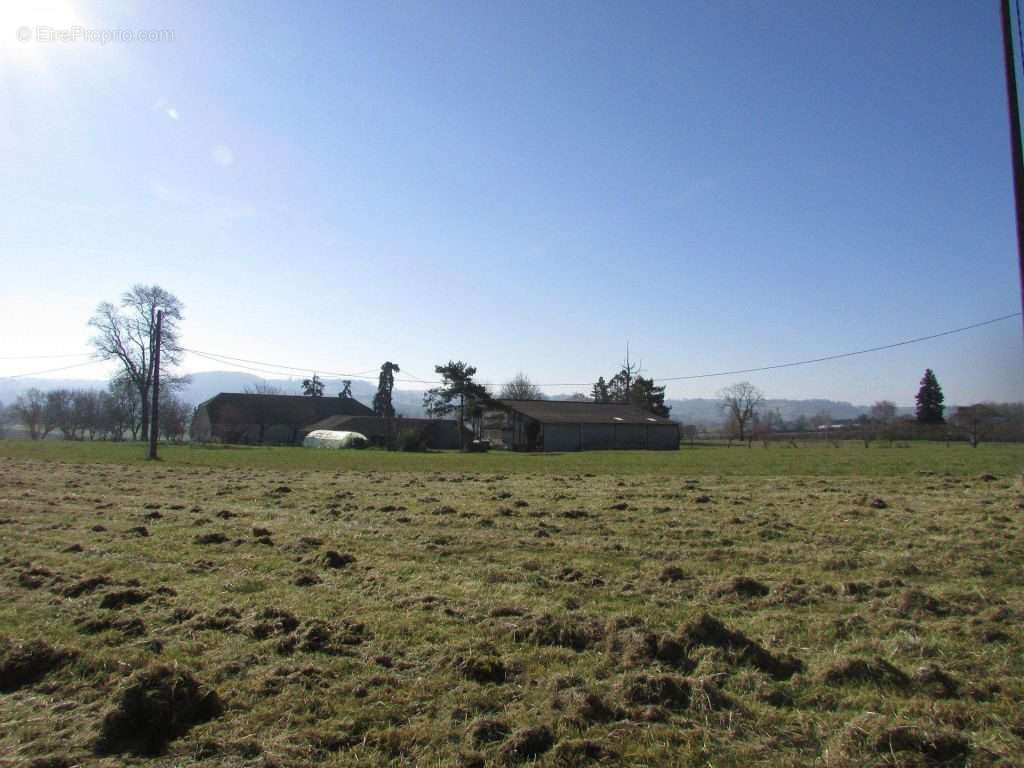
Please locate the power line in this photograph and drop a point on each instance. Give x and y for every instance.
(45, 357)
(239, 362)
(844, 354)
(54, 370)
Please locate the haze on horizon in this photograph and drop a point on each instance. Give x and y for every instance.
(524, 187)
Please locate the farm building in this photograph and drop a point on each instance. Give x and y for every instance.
(237, 418)
(558, 425)
(435, 433)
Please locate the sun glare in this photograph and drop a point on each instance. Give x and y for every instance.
(28, 28)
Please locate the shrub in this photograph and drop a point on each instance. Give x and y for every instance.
(411, 440)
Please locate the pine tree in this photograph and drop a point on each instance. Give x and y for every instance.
(929, 400)
(313, 387)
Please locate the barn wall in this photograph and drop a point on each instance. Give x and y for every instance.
(444, 435)
(561, 437)
(663, 437)
(630, 436)
(597, 437)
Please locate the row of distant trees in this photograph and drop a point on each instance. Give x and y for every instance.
(747, 419)
(114, 413)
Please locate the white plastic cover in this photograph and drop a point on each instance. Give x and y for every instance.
(329, 438)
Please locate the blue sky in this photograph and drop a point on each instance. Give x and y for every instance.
(524, 186)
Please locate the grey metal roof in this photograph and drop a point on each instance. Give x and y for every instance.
(583, 412)
(297, 410)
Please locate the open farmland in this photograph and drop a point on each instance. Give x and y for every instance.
(827, 606)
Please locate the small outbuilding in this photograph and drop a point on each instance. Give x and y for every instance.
(327, 438)
(438, 434)
(574, 425)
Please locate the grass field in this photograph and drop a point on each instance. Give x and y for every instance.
(715, 606)
(811, 458)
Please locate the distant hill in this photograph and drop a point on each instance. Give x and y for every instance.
(203, 386)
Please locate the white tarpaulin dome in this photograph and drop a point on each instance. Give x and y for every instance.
(329, 438)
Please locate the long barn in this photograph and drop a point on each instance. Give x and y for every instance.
(240, 418)
(571, 425)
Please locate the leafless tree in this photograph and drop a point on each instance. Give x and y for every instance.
(125, 408)
(263, 388)
(30, 410)
(740, 402)
(975, 421)
(175, 417)
(520, 388)
(128, 334)
(883, 412)
(689, 431)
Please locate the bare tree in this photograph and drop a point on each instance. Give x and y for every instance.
(740, 402)
(262, 388)
(975, 421)
(125, 408)
(30, 410)
(883, 412)
(520, 388)
(175, 417)
(128, 334)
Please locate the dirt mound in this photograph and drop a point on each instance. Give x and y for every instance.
(740, 586)
(117, 600)
(23, 663)
(332, 559)
(210, 538)
(223, 619)
(709, 631)
(131, 626)
(876, 671)
(505, 611)
(917, 602)
(932, 747)
(672, 573)
(585, 707)
(272, 621)
(674, 692)
(580, 752)
(936, 682)
(669, 691)
(306, 579)
(85, 586)
(565, 632)
(35, 577)
(321, 637)
(937, 748)
(482, 669)
(527, 743)
(154, 707)
(637, 648)
(486, 730)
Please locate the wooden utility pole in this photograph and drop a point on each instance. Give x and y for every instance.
(154, 420)
(1015, 138)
